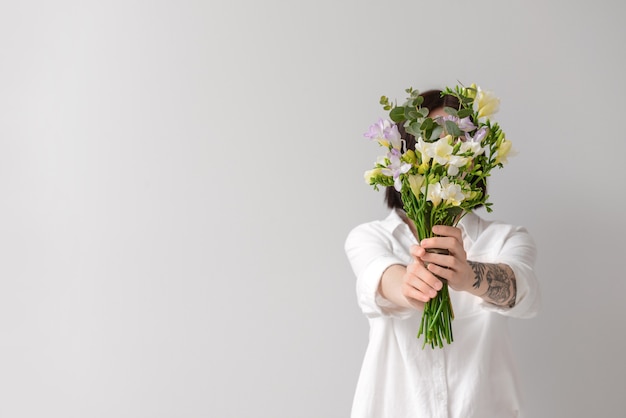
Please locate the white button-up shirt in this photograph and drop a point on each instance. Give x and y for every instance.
(475, 376)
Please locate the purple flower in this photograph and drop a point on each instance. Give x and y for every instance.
(385, 133)
(395, 168)
(473, 144)
(464, 124)
(377, 130)
(478, 137)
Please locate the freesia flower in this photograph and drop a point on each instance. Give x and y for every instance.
(464, 124)
(395, 168)
(504, 152)
(454, 163)
(376, 131)
(371, 174)
(385, 133)
(485, 103)
(415, 182)
(424, 149)
(473, 144)
(410, 157)
(451, 193)
(478, 136)
(441, 150)
(433, 193)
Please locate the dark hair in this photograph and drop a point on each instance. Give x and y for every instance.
(432, 100)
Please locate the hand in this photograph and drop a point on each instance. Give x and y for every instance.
(419, 284)
(453, 267)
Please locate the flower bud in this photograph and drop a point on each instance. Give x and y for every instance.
(370, 175)
(423, 167)
(416, 182)
(503, 151)
(410, 157)
(471, 92)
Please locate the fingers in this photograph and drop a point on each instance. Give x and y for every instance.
(448, 231)
(419, 283)
(449, 238)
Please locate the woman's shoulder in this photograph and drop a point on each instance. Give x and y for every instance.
(476, 227)
(380, 227)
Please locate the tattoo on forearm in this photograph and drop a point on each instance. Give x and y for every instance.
(502, 288)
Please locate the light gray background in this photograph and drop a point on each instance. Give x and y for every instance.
(178, 178)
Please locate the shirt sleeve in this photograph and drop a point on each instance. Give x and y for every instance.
(514, 246)
(370, 253)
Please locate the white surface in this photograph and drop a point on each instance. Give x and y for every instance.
(178, 178)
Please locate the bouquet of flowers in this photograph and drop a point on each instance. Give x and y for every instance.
(444, 177)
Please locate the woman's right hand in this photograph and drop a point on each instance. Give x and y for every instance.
(418, 283)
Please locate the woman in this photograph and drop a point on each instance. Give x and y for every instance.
(490, 273)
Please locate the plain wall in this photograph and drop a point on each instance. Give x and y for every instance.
(178, 179)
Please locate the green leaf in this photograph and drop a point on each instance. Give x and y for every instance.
(397, 114)
(463, 113)
(454, 211)
(413, 129)
(427, 124)
(411, 113)
(450, 110)
(424, 111)
(452, 128)
(436, 133)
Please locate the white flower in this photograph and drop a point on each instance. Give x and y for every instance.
(473, 147)
(451, 192)
(441, 150)
(485, 103)
(454, 163)
(433, 193)
(424, 148)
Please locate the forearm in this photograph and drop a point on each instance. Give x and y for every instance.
(495, 283)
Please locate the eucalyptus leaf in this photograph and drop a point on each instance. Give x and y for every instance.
(452, 128)
(436, 133)
(427, 124)
(413, 129)
(397, 114)
(450, 110)
(463, 113)
(411, 113)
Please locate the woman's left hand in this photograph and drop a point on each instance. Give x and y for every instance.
(453, 267)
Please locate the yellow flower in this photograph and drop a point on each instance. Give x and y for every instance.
(370, 175)
(486, 103)
(423, 167)
(410, 157)
(503, 152)
(416, 181)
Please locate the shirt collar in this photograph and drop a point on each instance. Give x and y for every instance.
(393, 220)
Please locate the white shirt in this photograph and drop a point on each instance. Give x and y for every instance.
(475, 376)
